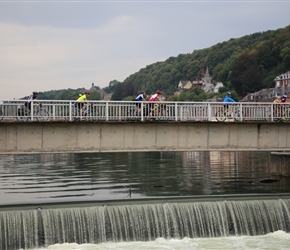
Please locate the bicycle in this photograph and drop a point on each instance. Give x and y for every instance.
(281, 113)
(134, 111)
(39, 113)
(232, 112)
(82, 112)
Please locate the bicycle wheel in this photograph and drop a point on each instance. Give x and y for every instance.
(269, 115)
(238, 116)
(22, 115)
(221, 116)
(41, 115)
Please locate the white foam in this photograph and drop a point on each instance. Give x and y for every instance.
(278, 240)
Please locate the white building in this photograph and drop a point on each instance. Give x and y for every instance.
(206, 84)
(283, 80)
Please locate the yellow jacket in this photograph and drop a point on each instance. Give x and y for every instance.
(82, 98)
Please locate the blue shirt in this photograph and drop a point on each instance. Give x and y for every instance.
(229, 99)
(139, 97)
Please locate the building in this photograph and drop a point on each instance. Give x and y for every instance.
(283, 80)
(282, 87)
(263, 95)
(206, 84)
(184, 85)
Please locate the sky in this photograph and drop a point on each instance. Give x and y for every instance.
(53, 44)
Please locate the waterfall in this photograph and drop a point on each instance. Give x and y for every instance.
(259, 217)
(142, 222)
(18, 229)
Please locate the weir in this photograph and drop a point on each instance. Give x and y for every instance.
(35, 225)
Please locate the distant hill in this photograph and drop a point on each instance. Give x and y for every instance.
(243, 65)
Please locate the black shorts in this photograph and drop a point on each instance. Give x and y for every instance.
(79, 105)
(28, 105)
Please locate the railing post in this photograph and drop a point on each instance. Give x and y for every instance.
(31, 110)
(70, 111)
(119, 112)
(176, 115)
(53, 111)
(241, 111)
(107, 111)
(272, 112)
(142, 111)
(209, 111)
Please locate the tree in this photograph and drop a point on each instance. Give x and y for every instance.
(94, 95)
(245, 74)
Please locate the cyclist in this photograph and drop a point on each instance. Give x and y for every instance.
(79, 104)
(283, 98)
(154, 98)
(279, 110)
(31, 98)
(228, 98)
(139, 99)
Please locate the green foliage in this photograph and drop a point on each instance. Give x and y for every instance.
(246, 74)
(246, 64)
(111, 87)
(129, 98)
(123, 90)
(94, 95)
(67, 94)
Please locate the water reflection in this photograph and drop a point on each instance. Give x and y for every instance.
(103, 176)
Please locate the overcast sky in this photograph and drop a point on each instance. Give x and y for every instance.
(51, 45)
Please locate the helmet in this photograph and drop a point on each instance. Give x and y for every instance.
(34, 93)
(229, 93)
(158, 92)
(284, 96)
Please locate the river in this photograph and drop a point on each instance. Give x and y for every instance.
(63, 177)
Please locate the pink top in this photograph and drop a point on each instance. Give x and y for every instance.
(154, 97)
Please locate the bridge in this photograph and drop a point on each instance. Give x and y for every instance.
(58, 126)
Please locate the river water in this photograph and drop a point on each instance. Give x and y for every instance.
(43, 178)
(63, 177)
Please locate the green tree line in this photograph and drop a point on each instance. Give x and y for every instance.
(244, 65)
(66, 94)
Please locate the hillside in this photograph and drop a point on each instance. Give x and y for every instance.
(244, 65)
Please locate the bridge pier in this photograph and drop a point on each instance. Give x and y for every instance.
(280, 163)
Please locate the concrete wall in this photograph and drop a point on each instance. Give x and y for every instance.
(139, 136)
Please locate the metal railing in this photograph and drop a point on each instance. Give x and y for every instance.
(61, 110)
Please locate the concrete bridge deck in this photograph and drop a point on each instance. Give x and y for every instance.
(55, 137)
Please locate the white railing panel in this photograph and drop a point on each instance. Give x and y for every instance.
(62, 110)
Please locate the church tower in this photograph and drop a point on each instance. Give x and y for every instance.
(207, 78)
(206, 82)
